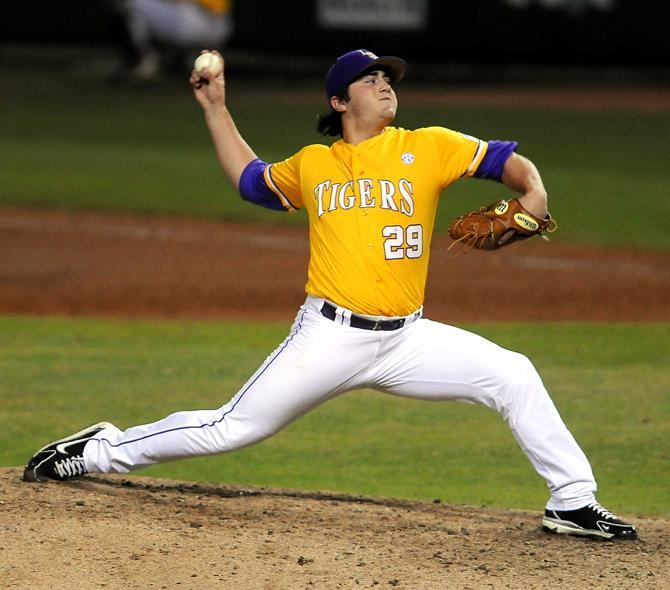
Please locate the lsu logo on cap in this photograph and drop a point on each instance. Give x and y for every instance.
(526, 222)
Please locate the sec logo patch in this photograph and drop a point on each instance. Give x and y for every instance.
(407, 158)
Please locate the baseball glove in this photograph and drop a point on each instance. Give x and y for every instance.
(500, 224)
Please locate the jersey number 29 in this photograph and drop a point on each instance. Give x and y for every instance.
(403, 242)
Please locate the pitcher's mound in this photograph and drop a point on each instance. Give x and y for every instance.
(136, 532)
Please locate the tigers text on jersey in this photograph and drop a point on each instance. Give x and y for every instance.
(371, 211)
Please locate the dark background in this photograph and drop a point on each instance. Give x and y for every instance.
(633, 33)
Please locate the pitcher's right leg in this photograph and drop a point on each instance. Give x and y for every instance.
(307, 369)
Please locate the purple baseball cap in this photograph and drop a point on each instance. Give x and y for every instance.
(350, 66)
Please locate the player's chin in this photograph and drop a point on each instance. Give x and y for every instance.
(389, 117)
(388, 112)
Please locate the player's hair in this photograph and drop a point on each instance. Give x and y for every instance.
(331, 123)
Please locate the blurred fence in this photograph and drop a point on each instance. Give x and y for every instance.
(571, 32)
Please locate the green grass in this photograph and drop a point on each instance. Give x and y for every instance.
(69, 142)
(609, 382)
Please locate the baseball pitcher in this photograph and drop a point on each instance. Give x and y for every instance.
(371, 199)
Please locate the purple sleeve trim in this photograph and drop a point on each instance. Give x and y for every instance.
(254, 189)
(493, 162)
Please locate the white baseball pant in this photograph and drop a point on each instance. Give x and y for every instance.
(322, 358)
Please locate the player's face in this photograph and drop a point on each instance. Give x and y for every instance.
(372, 96)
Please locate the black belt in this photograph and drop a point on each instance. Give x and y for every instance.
(330, 311)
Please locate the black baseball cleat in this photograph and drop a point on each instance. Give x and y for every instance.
(589, 521)
(62, 459)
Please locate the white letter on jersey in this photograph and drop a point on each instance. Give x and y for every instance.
(387, 192)
(333, 196)
(364, 186)
(407, 192)
(318, 193)
(350, 199)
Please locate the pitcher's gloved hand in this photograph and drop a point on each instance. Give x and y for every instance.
(500, 224)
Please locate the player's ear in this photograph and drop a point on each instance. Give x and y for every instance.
(338, 105)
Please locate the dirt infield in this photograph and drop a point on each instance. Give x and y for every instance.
(118, 265)
(111, 532)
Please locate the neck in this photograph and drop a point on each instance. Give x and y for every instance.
(355, 133)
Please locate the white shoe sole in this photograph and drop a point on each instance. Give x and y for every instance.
(564, 527)
(76, 435)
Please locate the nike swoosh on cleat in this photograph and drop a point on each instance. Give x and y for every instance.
(61, 448)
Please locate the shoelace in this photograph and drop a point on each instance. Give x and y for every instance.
(601, 510)
(70, 467)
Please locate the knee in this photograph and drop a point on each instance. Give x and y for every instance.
(521, 378)
(233, 431)
(522, 368)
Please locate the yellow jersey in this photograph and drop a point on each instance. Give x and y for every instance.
(371, 211)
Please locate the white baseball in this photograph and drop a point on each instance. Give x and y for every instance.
(211, 61)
